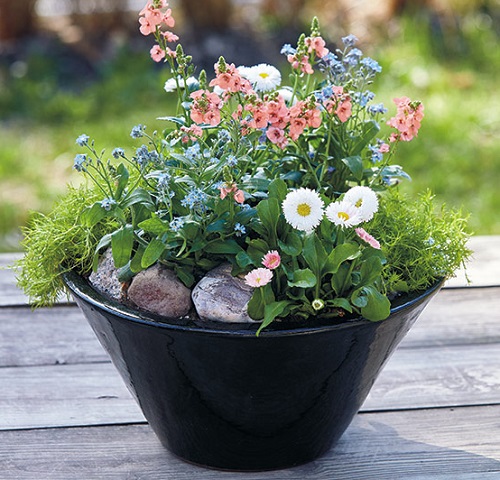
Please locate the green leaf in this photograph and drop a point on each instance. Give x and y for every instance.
(139, 195)
(376, 305)
(293, 244)
(340, 281)
(271, 312)
(104, 242)
(256, 305)
(339, 255)
(303, 278)
(122, 241)
(135, 263)
(314, 254)
(269, 212)
(355, 165)
(122, 180)
(217, 226)
(371, 270)
(185, 276)
(152, 253)
(230, 247)
(93, 215)
(244, 260)
(256, 250)
(341, 303)
(278, 189)
(177, 120)
(368, 132)
(154, 225)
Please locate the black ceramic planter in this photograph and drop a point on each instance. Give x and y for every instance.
(229, 400)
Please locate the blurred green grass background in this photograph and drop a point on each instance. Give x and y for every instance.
(454, 73)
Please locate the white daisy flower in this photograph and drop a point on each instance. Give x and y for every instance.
(364, 199)
(343, 214)
(303, 209)
(263, 77)
(171, 85)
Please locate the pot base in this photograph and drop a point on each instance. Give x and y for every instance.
(228, 400)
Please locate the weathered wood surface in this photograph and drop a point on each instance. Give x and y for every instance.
(432, 414)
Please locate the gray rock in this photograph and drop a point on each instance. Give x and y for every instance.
(220, 296)
(105, 279)
(158, 290)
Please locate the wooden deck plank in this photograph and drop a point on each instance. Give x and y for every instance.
(93, 394)
(9, 293)
(483, 269)
(50, 336)
(458, 317)
(64, 395)
(438, 444)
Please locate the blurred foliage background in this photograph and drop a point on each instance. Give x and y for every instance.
(69, 67)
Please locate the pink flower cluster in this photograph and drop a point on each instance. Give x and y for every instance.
(229, 79)
(302, 60)
(407, 120)
(153, 17)
(339, 104)
(206, 107)
(233, 190)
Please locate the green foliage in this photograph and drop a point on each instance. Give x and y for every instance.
(422, 243)
(57, 242)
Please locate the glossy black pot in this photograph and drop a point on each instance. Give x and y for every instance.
(229, 400)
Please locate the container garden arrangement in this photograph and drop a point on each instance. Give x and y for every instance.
(277, 202)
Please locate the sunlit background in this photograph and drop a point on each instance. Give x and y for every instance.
(69, 67)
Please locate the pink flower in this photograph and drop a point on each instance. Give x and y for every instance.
(297, 126)
(192, 133)
(407, 120)
(146, 26)
(238, 195)
(206, 107)
(258, 277)
(384, 148)
(277, 136)
(157, 54)
(167, 19)
(344, 110)
(301, 64)
(169, 36)
(271, 260)
(364, 235)
(317, 45)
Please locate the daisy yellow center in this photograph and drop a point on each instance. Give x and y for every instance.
(343, 215)
(303, 209)
(263, 74)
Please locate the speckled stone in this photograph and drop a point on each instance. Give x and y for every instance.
(221, 297)
(105, 279)
(158, 290)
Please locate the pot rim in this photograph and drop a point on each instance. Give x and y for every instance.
(81, 288)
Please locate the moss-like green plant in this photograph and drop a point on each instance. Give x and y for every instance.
(56, 243)
(421, 243)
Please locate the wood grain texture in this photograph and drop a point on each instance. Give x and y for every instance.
(484, 267)
(64, 395)
(458, 317)
(435, 444)
(47, 336)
